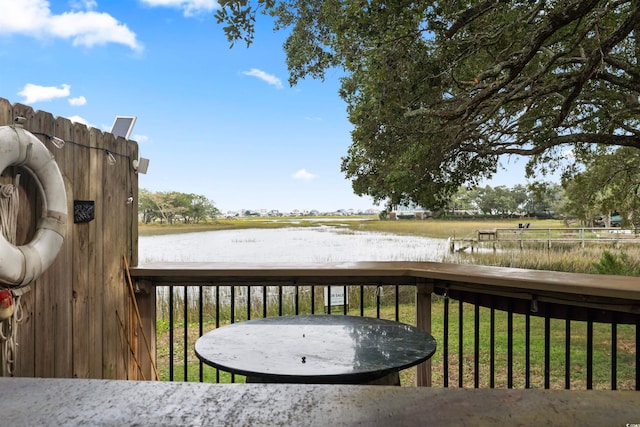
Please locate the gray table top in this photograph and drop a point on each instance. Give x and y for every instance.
(330, 349)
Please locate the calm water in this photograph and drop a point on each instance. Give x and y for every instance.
(318, 244)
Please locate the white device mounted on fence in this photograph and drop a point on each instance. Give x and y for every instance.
(123, 125)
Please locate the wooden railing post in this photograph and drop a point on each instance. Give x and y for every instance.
(146, 301)
(424, 289)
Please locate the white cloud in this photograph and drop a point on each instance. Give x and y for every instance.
(77, 102)
(84, 27)
(269, 78)
(78, 119)
(189, 7)
(84, 4)
(303, 175)
(91, 29)
(35, 93)
(140, 138)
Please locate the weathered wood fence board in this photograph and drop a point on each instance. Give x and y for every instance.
(70, 327)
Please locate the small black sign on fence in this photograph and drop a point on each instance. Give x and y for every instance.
(83, 210)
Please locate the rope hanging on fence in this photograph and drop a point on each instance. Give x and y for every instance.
(9, 204)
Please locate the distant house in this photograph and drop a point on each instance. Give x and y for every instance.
(411, 211)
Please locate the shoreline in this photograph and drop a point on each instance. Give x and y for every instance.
(435, 228)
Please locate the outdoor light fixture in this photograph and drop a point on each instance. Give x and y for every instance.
(58, 142)
(141, 166)
(111, 159)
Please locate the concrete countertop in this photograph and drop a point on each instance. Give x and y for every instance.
(73, 402)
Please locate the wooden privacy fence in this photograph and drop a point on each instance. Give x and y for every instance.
(78, 319)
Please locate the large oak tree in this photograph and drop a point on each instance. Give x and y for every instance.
(438, 91)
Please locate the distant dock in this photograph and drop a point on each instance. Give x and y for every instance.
(524, 236)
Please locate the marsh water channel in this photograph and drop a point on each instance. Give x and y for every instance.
(322, 243)
(289, 245)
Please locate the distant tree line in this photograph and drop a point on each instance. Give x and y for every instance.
(172, 206)
(540, 199)
(608, 185)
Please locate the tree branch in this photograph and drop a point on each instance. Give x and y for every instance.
(469, 15)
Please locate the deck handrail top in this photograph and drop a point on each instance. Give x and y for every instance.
(609, 286)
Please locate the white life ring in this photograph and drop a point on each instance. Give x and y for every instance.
(21, 265)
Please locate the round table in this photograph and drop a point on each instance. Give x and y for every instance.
(318, 349)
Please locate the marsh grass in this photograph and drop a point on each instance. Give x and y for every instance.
(568, 258)
(156, 229)
(436, 228)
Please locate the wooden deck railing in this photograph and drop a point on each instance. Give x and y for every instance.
(496, 327)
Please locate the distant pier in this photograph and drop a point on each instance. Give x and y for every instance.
(525, 236)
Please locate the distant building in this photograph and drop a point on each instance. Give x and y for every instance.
(411, 211)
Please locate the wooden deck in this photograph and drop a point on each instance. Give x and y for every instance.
(72, 402)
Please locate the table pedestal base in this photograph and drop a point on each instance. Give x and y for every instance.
(389, 379)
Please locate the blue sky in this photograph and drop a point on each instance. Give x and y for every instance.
(214, 121)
